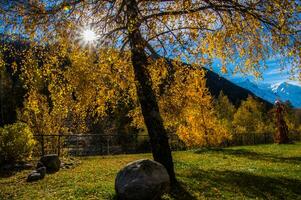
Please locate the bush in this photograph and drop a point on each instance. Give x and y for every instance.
(16, 143)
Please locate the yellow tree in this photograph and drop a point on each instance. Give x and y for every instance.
(186, 106)
(225, 111)
(199, 124)
(245, 29)
(82, 84)
(251, 118)
(65, 88)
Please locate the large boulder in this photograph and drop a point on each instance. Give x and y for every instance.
(142, 179)
(51, 162)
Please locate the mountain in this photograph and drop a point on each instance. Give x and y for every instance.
(288, 92)
(283, 91)
(235, 93)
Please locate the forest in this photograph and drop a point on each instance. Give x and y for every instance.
(63, 90)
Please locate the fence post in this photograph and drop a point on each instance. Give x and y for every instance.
(42, 145)
(77, 146)
(136, 143)
(59, 145)
(108, 145)
(241, 139)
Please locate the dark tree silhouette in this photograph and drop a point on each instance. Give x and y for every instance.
(281, 136)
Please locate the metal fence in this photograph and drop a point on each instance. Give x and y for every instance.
(105, 144)
(98, 144)
(258, 138)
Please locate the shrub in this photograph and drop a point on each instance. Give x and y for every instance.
(16, 143)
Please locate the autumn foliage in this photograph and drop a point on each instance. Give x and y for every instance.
(67, 88)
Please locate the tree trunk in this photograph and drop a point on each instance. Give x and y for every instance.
(158, 136)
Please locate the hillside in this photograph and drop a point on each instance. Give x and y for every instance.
(235, 93)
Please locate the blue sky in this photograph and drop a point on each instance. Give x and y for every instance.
(272, 75)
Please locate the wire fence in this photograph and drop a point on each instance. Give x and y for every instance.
(98, 144)
(110, 144)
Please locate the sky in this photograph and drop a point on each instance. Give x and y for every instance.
(272, 75)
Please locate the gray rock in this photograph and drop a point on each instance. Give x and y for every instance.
(51, 162)
(34, 176)
(40, 164)
(28, 166)
(23, 165)
(37, 174)
(42, 171)
(67, 165)
(142, 179)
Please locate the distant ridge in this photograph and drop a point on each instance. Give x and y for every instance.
(283, 91)
(235, 93)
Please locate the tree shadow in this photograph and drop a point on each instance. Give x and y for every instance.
(179, 192)
(242, 185)
(251, 155)
(7, 173)
(9, 170)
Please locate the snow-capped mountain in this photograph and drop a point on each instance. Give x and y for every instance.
(283, 91)
(286, 91)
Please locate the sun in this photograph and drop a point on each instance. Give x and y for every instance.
(89, 35)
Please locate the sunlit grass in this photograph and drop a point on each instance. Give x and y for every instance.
(250, 172)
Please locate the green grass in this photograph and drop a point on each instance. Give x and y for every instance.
(249, 172)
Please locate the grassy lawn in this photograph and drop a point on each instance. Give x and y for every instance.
(249, 172)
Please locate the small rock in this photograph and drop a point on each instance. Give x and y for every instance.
(65, 165)
(18, 166)
(42, 171)
(51, 162)
(69, 164)
(34, 176)
(40, 164)
(23, 165)
(28, 166)
(143, 179)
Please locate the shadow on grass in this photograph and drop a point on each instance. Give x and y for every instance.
(7, 173)
(179, 192)
(251, 155)
(230, 184)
